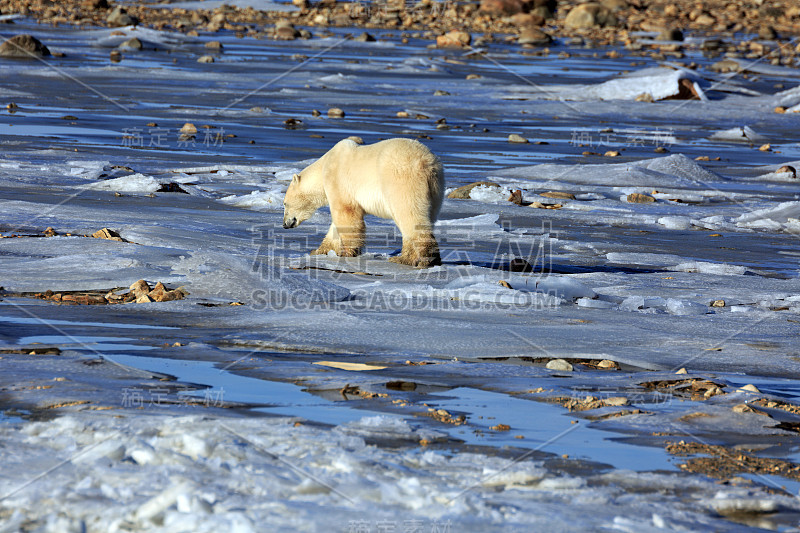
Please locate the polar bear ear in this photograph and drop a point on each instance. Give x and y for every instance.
(295, 178)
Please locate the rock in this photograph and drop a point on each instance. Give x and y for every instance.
(614, 5)
(506, 7)
(526, 20)
(365, 38)
(402, 114)
(440, 92)
(718, 303)
(612, 153)
(132, 44)
(108, 234)
(24, 46)
(789, 169)
(705, 19)
(540, 205)
(462, 193)
(686, 91)
(205, 59)
(645, 97)
(534, 37)
(474, 77)
(750, 388)
(335, 112)
(607, 363)
(670, 34)
(140, 288)
(115, 56)
(681, 371)
(638, 198)
(188, 129)
(765, 148)
(780, 109)
(516, 197)
(454, 39)
(49, 232)
(285, 31)
(559, 364)
(767, 33)
(558, 194)
(660, 150)
(119, 17)
(519, 139)
(589, 15)
(214, 45)
(144, 299)
(726, 65)
(616, 401)
(95, 4)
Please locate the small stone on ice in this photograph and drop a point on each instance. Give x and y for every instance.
(514, 138)
(607, 363)
(616, 401)
(750, 388)
(335, 112)
(559, 364)
(682, 371)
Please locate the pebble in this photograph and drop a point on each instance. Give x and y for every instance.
(612, 153)
(559, 364)
(682, 371)
(607, 363)
(514, 138)
(534, 37)
(205, 59)
(120, 17)
(115, 56)
(718, 303)
(335, 112)
(750, 388)
(214, 45)
(188, 129)
(789, 169)
(765, 148)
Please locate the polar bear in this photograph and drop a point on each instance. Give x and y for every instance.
(398, 179)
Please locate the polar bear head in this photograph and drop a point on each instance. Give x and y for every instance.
(299, 203)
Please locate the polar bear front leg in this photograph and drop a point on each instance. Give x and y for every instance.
(330, 242)
(349, 222)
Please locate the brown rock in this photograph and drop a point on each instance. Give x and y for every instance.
(516, 197)
(214, 45)
(188, 129)
(108, 234)
(589, 15)
(558, 194)
(534, 37)
(638, 198)
(132, 44)
(120, 17)
(505, 7)
(788, 168)
(614, 5)
(285, 31)
(144, 299)
(524, 20)
(726, 65)
(335, 112)
(518, 139)
(139, 288)
(670, 34)
(454, 39)
(462, 193)
(686, 91)
(115, 56)
(23, 46)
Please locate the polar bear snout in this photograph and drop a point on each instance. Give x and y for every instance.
(289, 223)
